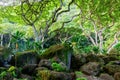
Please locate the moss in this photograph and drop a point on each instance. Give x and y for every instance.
(50, 52)
(43, 75)
(25, 52)
(26, 57)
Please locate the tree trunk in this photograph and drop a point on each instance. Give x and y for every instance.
(35, 33)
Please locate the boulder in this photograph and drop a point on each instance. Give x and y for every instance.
(5, 56)
(117, 76)
(94, 58)
(105, 76)
(91, 68)
(29, 69)
(27, 77)
(112, 67)
(26, 58)
(51, 51)
(77, 60)
(53, 75)
(45, 63)
(82, 76)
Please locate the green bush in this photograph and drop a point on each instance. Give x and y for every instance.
(82, 78)
(57, 67)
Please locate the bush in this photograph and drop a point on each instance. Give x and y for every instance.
(57, 67)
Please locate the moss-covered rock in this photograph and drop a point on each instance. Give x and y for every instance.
(117, 76)
(112, 67)
(94, 58)
(105, 76)
(63, 52)
(51, 51)
(45, 63)
(91, 68)
(26, 58)
(77, 61)
(5, 56)
(53, 75)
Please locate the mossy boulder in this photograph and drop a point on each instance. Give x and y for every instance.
(26, 58)
(45, 63)
(91, 68)
(112, 67)
(117, 76)
(61, 51)
(53, 75)
(5, 56)
(94, 58)
(51, 51)
(105, 76)
(77, 61)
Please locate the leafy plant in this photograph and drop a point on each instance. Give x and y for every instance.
(57, 67)
(82, 78)
(117, 47)
(2, 74)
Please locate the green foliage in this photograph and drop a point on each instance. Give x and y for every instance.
(82, 78)
(12, 68)
(17, 36)
(95, 49)
(57, 67)
(10, 71)
(80, 74)
(117, 47)
(2, 74)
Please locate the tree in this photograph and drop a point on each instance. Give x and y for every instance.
(44, 12)
(98, 17)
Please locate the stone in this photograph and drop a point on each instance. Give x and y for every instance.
(45, 63)
(91, 68)
(53, 75)
(77, 61)
(117, 76)
(29, 69)
(112, 67)
(24, 76)
(26, 58)
(105, 76)
(82, 76)
(5, 56)
(51, 51)
(94, 58)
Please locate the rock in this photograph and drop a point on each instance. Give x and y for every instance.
(41, 68)
(29, 69)
(110, 57)
(94, 58)
(60, 76)
(45, 63)
(51, 51)
(91, 68)
(53, 75)
(105, 76)
(112, 67)
(5, 56)
(63, 52)
(26, 58)
(117, 76)
(77, 61)
(82, 76)
(24, 76)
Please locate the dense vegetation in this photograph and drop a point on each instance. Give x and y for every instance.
(50, 27)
